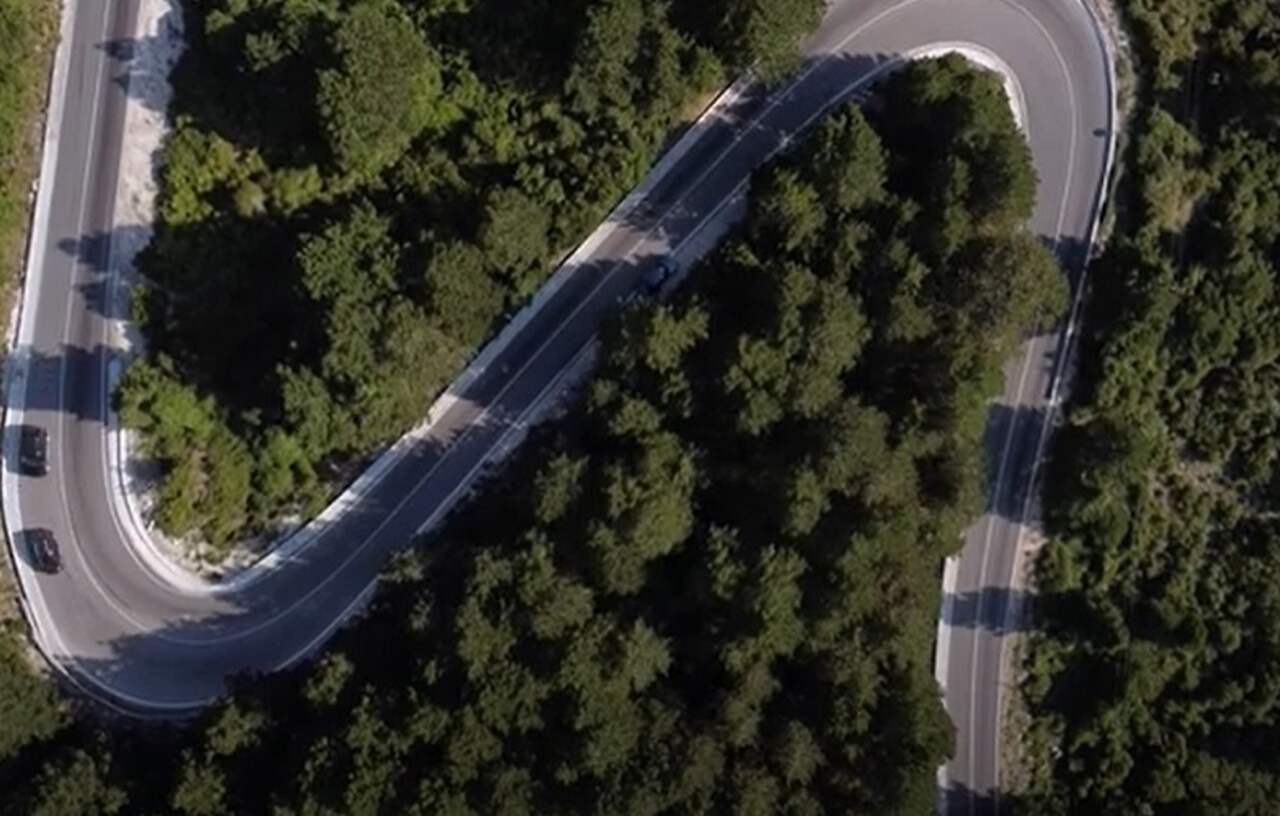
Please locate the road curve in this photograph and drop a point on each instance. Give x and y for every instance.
(136, 642)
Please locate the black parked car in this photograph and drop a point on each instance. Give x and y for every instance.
(33, 451)
(44, 550)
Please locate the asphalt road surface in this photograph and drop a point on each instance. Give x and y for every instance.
(133, 641)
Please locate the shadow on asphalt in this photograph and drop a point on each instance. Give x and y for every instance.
(958, 800)
(1017, 431)
(828, 82)
(992, 609)
(130, 53)
(1018, 428)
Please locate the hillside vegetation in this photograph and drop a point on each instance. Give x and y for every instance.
(712, 587)
(28, 29)
(356, 194)
(1157, 671)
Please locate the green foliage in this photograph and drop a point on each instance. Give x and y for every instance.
(349, 270)
(29, 29)
(1168, 31)
(382, 93)
(514, 238)
(29, 708)
(1167, 154)
(697, 593)
(462, 294)
(72, 784)
(1155, 677)
(201, 790)
(971, 163)
(764, 34)
(352, 197)
(847, 146)
(328, 679)
(207, 468)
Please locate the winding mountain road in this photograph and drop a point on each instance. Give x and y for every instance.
(132, 638)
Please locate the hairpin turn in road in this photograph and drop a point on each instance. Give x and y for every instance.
(129, 637)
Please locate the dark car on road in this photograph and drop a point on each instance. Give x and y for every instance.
(33, 451)
(662, 271)
(44, 550)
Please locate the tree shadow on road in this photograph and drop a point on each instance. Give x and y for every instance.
(958, 800)
(998, 610)
(668, 212)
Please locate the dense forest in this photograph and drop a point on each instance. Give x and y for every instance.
(712, 586)
(1155, 676)
(355, 194)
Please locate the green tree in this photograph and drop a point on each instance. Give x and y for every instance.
(29, 708)
(765, 35)
(462, 299)
(514, 236)
(381, 94)
(74, 783)
(201, 789)
(849, 160)
(1171, 182)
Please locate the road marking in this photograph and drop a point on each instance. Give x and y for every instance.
(117, 605)
(1068, 336)
(1062, 209)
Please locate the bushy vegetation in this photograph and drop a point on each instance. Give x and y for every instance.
(1157, 671)
(28, 29)
(29, 708)
(353, 195)
(712, 587)
(51, 762)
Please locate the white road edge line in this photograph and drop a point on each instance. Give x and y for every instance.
(1069, 338)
